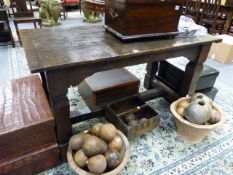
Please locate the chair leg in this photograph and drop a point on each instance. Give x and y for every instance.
(64, 13)
(17, 31)
(213, 30)
(39, 22)
(35, 25)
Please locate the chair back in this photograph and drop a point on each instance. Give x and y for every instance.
(229, 2)
(23, 9)
(192, 9)
(211, 9)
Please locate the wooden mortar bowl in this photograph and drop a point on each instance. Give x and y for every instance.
(125, 150)
(191, 132)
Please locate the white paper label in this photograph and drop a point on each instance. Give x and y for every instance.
(177, 7)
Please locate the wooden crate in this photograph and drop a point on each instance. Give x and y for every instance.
(132, 19)
(116, 112)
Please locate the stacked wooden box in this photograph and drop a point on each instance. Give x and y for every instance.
(172, 71)
(27, 129)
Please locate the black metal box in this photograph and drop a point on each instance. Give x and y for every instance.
(172, 72)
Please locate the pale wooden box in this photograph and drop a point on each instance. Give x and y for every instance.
(222, 52)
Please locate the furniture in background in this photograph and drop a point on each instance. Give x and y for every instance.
(210, 16)
(24, 15)
(70, 3)
(27, 128)
(92, 10)
(95, 51)
(64, 11)
(227, 8)
(230, 32)
(12, 6)
(5, 29)
(192, 9)
(229, 2)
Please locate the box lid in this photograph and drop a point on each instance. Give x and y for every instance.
(115, 78)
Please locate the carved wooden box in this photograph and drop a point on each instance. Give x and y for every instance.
(117, 113)
(133, 19)
(105, 87)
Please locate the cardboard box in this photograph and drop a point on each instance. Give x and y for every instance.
(222, 52)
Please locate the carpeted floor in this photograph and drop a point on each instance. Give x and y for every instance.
(160, 151)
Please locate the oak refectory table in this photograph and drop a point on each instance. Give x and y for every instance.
(66, 56)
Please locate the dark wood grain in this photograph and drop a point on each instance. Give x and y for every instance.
(125, 17)
(32, 162)
(26, 120)
(81, 45)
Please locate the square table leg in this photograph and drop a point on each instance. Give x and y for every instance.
(192, 72)
(151, 69)
(196, 55)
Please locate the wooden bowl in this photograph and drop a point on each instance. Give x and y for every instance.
(191, 132)
(125, 151)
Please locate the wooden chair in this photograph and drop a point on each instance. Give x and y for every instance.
(230, 32)
(209, 16)
(64, 11)
(13, 6)
(229, 2)
(24, 14)
(192, 9)
(5, 29)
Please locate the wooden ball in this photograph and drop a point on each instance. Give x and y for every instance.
(76, 142)
(80, 158)
(180, 111)
(183, 103)
(107, 132)
(116, 143)
(95, 129)
(215, 117)
(97, 164)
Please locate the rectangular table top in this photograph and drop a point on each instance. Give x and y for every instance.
(55, 48)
